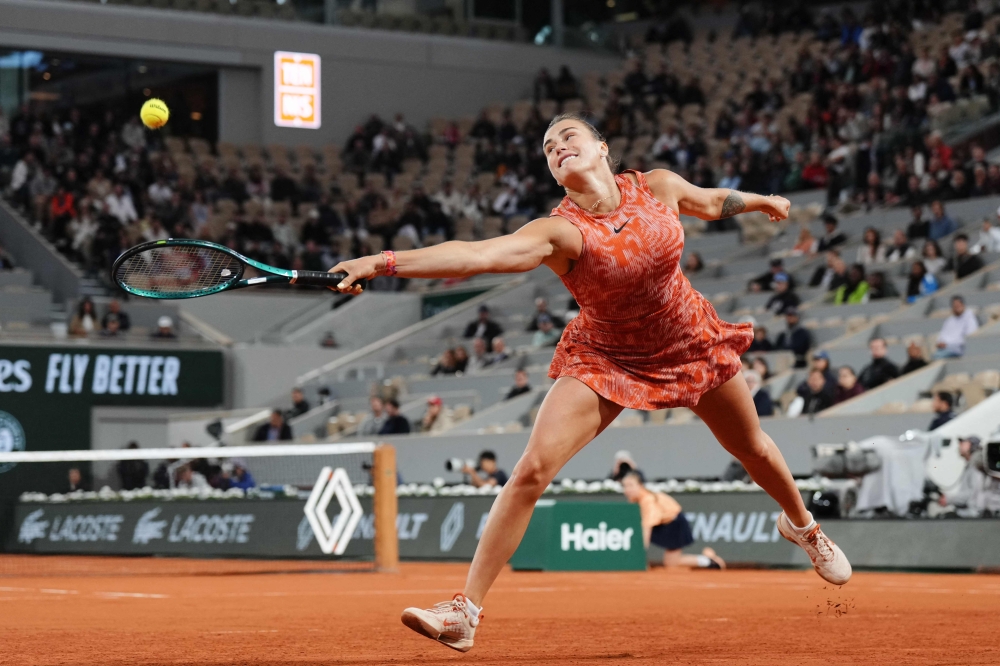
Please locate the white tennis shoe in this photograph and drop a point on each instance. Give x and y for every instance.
(449, 622)
(827, 557)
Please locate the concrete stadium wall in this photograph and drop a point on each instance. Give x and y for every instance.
(662, 451)
(52, 270)
(363, 71)
(245, 317)
(262, 372)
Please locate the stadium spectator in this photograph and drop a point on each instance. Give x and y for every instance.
(480, 358)
(75, 481)
(956, 328)
(111, 327)
(821, 362)
(963, 263)
(817, 397)
(831, 237)
(783, 298)
(760, 341)
(693, 264)
(542, 309)
(299, 403)
(880, 287)
(872, 250)
(239, 477)
(432, 420)
(186, 478)
(765, 282)
(941, 224)
(856, 288)
(373, 423)
(880, 370)
(832, 275)
(329, 341)
(920, 283)
(918, 227)
(914, 358)
(933, 258)
(900, 249)
(521, 385)
(395, 423)
(164, 329)
(275, 430)
(115, 308)
(132, 473)
(795, 339)
(806, 244)
(84, 322)
(847, 385)
(486, 472)
(989, 237)
(943, 404)
(446, 364)
(499, 354)
(547, 334)
(461, 359)
(759, 364)
(761, 396)
(483, 326)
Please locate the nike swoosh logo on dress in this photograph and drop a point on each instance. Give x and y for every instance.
(618, 229)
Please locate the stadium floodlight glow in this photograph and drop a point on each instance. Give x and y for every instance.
(297, 98)
(333, 538)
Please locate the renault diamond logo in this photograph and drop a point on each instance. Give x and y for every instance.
(452, 526)
(333, 539)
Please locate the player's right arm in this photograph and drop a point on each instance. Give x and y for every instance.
(551, 241)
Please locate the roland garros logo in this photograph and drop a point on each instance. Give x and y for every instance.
(11, 437)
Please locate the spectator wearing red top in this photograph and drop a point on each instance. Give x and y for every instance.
(62, 209)
(814, 174)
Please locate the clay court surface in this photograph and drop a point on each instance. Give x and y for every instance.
(659, 617)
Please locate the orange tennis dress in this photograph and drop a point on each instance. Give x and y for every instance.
(644, 338)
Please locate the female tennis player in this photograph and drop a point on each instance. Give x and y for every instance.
(644, 339)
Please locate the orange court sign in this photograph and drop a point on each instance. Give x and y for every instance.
(297, 90)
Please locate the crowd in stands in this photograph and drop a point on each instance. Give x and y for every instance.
(114, 324)
(867, 277)
(825, 386)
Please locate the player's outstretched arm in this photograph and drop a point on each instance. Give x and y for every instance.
(541, 241)
(712, 203)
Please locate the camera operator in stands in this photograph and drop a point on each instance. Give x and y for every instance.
(966, 495)
(623, 465)
(486, 472)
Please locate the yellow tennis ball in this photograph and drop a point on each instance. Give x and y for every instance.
(154, 113)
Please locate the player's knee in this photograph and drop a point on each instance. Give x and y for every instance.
(531, 476)
(758, 447)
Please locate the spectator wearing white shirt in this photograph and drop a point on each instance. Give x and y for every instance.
(667, 143)
(133, 135)
(480, 357)
(120, 205)
(925, 65)
(989, 237)
(284, 233)
(506, 203)
(451, 200)
(961, 324)
(160, 192)
(155, 231)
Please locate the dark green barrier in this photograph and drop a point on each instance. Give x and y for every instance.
(582, 536)
(47, 392)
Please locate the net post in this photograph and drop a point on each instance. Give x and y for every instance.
(385, 508)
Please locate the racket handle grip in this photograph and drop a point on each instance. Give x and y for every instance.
(321, 279)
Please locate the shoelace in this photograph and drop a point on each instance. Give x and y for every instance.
(447, 606)
(818, 540)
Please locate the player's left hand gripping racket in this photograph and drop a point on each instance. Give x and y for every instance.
(186, 268)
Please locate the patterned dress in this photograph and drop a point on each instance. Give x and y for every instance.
(644, 339)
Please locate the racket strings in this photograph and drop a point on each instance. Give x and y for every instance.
(177, 270)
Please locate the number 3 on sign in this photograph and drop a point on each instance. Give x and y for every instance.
(297, 99)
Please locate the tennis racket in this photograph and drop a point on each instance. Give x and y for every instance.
(186, 268)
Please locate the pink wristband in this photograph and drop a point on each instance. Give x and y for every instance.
(390, 262)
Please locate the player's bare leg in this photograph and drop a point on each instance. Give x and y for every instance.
(571, 415)
(677, 558)
(729, 413)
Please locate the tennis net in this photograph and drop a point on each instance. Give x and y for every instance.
(198, 510)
